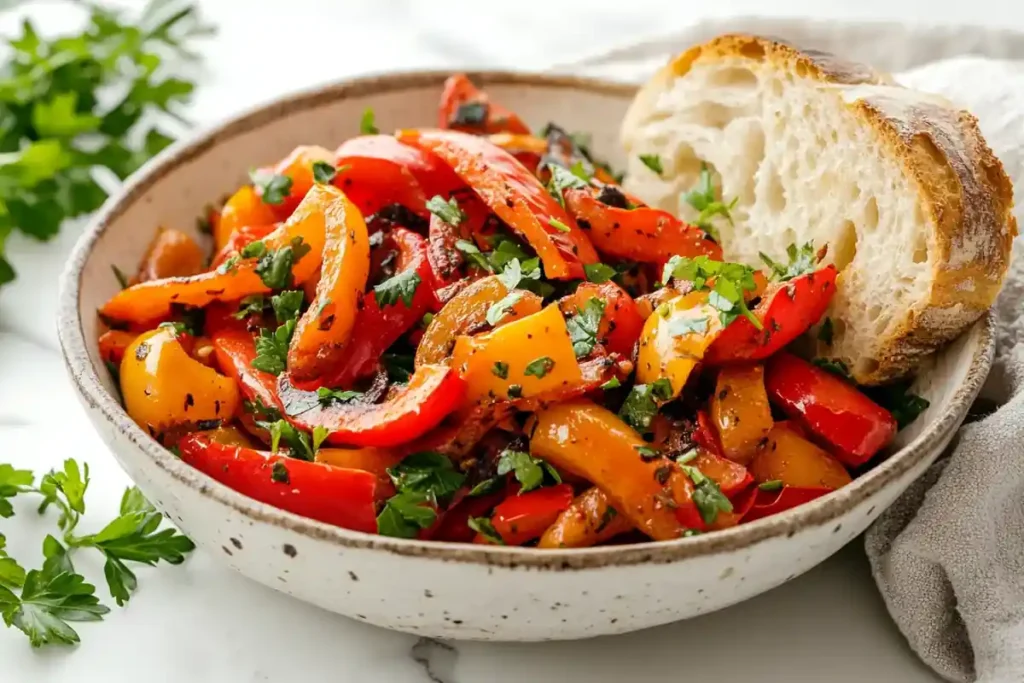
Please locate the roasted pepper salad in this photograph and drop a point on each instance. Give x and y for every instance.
(474, 334)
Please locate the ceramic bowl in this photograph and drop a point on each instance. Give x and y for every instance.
(436, 589)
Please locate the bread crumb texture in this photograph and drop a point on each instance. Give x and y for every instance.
(914, 207)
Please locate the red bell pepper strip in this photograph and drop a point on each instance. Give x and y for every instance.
(830, 408)
(342, 497)
(467, 108)
(377, 328)
(241, 238)
(621, 324)
(454, 526)
(786, 310)
(433, 391)
(378, 170)
(638, 234)
(768, 503)
(446, 261)
(515, 195)
(235, 350)
(705, 436)
(522, 518)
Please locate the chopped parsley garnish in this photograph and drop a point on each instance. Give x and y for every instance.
(770, 485)
(708, 498)
(272, 348)
(539, 367)
(424, 481)
(686, 457)
(287, 304)
(299, 443)
(703, 200)
(613, 383)
(273, 187)
(641, 404)
(528, 470)
(279, 473)
(563, 179)
(731, 280)
(500, 369)
(647, 452)
(898, 400)
(515, 391)
(398, 287)
(368, 123)
(801, 260)
(503, 307)
(254, 304)
(275, 266)
(487, 486)
(826, 331)
(484, 527)
(653, 162)
(833, 366)
(599, 272)
(580, 171)
(473, 254)
(323, 172)
(583, 327)
(558, 225)
(328, 396)
(447, 210)
(404, 515)
(399, 366)
(470, 115)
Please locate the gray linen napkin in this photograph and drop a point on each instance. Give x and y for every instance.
(948, 557)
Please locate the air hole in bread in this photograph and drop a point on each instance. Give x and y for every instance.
(844, 247)
(733, 77)
(775, 194)
(870, 215)
(713, 115)
(752, 50)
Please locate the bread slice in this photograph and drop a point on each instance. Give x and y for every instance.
(914, 207)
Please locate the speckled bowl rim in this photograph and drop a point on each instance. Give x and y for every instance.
(87, 381)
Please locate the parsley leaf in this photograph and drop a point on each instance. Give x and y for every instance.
(473, 253)
(703, 199)
(273, 188)
(653, 162)
(299, 443)
(404, 514)
(320, 434)
(503, 307)
(731, 280)
(770, 485)
(279, 473)
(563, 179)
(897, 398)
(47, 603)
(833, 366)
(641, 404)
(599, 272)
(559, 225)
(11, 573)
(327, 396)
(272, 348)
(708, 498)
(584, 325)
(431, 474)
(368, 123)
(12, 482)
(448, 211)
(275, 266)
(539, 367)
(287, 304)
(251, 305)
(500, 369)
(484, 527)
(802, 260)
(613, 383)
(528, 470)
(323, 172)
(398, 287)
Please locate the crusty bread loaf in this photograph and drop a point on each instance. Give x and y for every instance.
(914, 207)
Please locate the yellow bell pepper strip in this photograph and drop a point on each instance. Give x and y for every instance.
(297, 167)
(243, 209)
(153, 300)
(740, 411)
(650, 490)
(466, 313)
(522, 359)
(230, 436)
(172, 253)
(515, 195)
(368, 459)
(409, 412)
(164, 387)
(796, 462)
(588, 521)
(674, 339)
(324, 329)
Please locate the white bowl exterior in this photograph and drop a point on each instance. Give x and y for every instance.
(432, 593)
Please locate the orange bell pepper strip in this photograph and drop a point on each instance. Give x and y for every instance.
(241, 238)
(620, 325)
(324, 330)
(832, 409)
(172, 253)
(786, 311)
(521, 518)
(588, 521)
(342, 497)
(113, 344)
(164, 387)
(369, 459)
(521, 359)
(433, 391)
(467, 108)
(527, 149)
(592, 442)
(466, 313)
(229, 436)
(740, 411)
(731, 477)
(244, 208)
(154, 300)
(796, 462)
(675, 339)
(638, 234)
(515, 195)
(298, 167)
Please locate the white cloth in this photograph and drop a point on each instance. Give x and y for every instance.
(948, 557)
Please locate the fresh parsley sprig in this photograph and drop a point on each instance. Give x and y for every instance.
(705, 201)
(731, 282)
(423, 481)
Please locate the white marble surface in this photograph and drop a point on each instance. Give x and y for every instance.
(200, 622)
